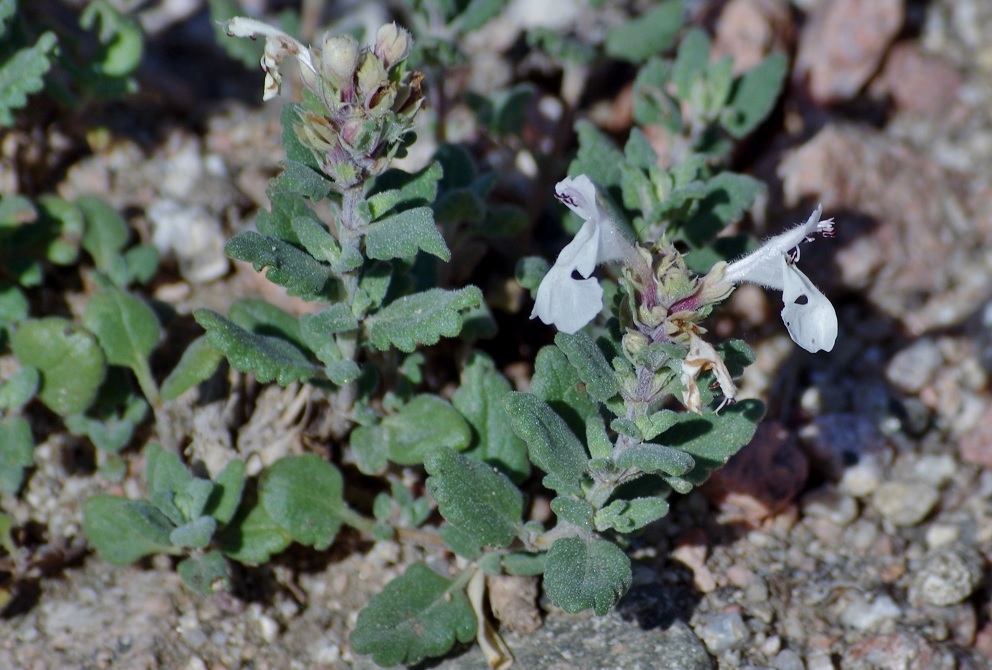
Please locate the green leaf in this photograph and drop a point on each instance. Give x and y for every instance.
(293, 269)
(263, 318)
(754, 95)
(552, 446)
(286, 206)
(475, 497)
(70, 361)
(477, 14)
(105, 237)
(13, 304)
(23, 74)
(523, 563)
(727, 197)
(418, 615)
(598, 157)
(194, 535)
(530, 271)
(370, 447)
(655, 424)
(422, 425)
(266, 356)
(626, 516)
(205, 573)
(123, 530)
(141, 262)
(110, 429)
(192, 500)
(253, 536)
(121, 40)
(421, 318)
(653, 104)
(197, 364)
(588, 360)
(711, 438)
(303, 494)
(651, 33)
(584, 573)
(226, 494)
(403, 234)
(691, 62)
(19, 389)
(68, 226)
(304, 180)
(128, 331)
(480, 400)
(460, 542)
(576, 512)
(16, 453)
(656, 458)
(164, 471)
(316, 239)
(396, 187)
(556, 382)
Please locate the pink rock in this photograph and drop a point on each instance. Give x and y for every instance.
(908, 70)
(749, 30)
(843, 44)
(975, 446)
(898, 651)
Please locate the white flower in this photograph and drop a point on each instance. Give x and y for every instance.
(571, 303)
(808, 315)
(278, 45)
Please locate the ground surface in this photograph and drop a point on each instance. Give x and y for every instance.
(855, 532)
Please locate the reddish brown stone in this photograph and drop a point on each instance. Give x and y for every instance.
(908, 71)
(975, 446)
(762, 480)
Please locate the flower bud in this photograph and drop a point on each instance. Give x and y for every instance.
(392, 44)
(339, 61)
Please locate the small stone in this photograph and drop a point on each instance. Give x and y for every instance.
(905, 503)
(975, 446)
(820, 660)
(788, 660)
(948, 576)
(268, 628)
(722, 632)
(864, 477)
(864, 614)
(899, 650)
(941, 535)
(196, 663)
(828, 503)
(915, 366)
(935, 469)
(861, 535)
(681, 650)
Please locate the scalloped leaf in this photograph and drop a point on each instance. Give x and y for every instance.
(292, 268)
(646, 35)
(123, 530)
(480, 400)
(476, 498)
(16, 453)
(266, 356)
(588, 360)
(754, 95)
(586, 573)
(656, 458)
(405, 233)
(205, 573)
(418, 615)
(197, 364)
(303, 494)
(421, 318)
(23, 74)
(69, 358)
(553, 447)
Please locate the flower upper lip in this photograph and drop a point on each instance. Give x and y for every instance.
(562, 300)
